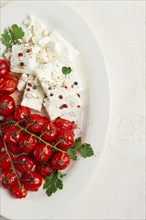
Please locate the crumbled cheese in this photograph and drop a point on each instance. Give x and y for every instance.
(68, 51)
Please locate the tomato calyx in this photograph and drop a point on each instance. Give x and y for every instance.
(3, 105)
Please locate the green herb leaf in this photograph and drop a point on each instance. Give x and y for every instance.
(84, 149)
(53, 182)
(72, 153)
(66, 70)
(16, 33)
(6, 39)
(12, 36)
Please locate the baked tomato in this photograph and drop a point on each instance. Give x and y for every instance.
(60, 161)
(65, 140)
(32, 181)
(13, 135)
(42, 153)
(49, 132)
(8, 84)
(4, 68)
(35, 123)
(7, 105)
(27, 143)
(19, 192)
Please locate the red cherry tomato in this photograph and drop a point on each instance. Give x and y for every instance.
(44, 169)
(9, 179)
(64, 124)
(49, 132)
(67, 140)
(21, 113)
(8, 84)
(9, 124)
(7, 105)
(46, 120)
(1, 144)
(18, 192)
(4, 68)
(32, 181)
(27, 143)
(42, 152)
(5, 163)
(35, 123)
(60, 161)
(24, 164)
(13, 135)
(14, 148)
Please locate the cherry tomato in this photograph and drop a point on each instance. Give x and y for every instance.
(64, 124)
(44, 169)
(1, 144)
(60, 161)
(13, 135)
(35, 123)
(21, 113)
(42, 152)
(5, 163)
(27, 143)
(18, 192)
(32, 181)
(14, 148)
(24, 164)
(9, 179)
(4, 68)
(7, 105)
(8, 84)
(9, 123)
(49, 132)
(46, 120)
(67, 140)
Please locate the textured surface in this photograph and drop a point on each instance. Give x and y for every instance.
(117, 190)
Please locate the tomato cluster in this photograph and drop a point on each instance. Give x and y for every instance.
(32, 146)
(8, 82)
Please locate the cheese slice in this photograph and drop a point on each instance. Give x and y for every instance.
(22, 82)
(23, 59)
(33, 95)
(69, 104)
(55, 83)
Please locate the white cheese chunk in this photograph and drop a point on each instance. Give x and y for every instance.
(55, 83)
(67, 50)
(42, 57)
(33, 95)
(38, 27)
(23, 59)
(22, 82)
(56, 108)
(28, 35)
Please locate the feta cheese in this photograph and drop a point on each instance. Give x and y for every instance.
(42, 57)
(28, 35)
(23, 59)
(68, 51)
(22, 82)
(38, 27)
(56, 108)
(33, 95)
(8, 55)
(55, 83)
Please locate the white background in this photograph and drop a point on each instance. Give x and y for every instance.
(117, 191)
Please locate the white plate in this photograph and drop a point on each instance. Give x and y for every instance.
(59, 16)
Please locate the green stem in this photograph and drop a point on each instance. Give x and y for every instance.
(39, 138)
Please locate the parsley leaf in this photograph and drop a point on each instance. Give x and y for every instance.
(72, 153)
(84, 149)
(66, 70)
(53, 182)
(6, 39)
(11, 36)
(16, 33)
